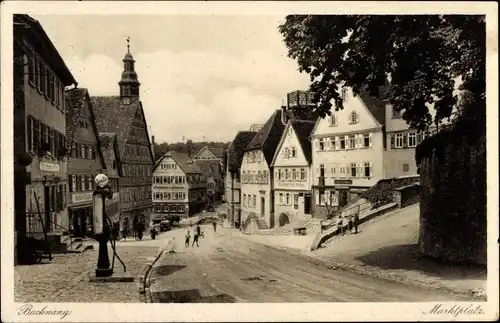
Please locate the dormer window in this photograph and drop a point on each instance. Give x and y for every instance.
(353, 117)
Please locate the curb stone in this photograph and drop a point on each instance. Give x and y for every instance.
(334, 264)
(144, 278)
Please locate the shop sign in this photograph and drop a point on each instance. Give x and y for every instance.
(81, 197)
(291, 184)
(49, 167)
(343, 181)
(170, 187)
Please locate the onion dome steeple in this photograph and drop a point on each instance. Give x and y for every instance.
(129, 84)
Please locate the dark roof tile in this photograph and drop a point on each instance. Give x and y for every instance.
(303, 129)
(236, 149)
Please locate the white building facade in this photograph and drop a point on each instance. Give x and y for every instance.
(292, 172)
(355, 147)
(255, 186)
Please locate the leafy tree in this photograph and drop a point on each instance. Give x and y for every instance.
(419, 56)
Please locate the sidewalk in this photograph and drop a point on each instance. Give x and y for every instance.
(66, 278)
(387, 247)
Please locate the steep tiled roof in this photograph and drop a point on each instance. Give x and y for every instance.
(267, 138)
(113, 117)
(218, 152)
(236, 149)
(303, 129)
(108, 142)
(183, 160)
(75, 101)
(376, 105)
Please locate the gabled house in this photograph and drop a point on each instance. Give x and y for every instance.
(256, 172)
(110, 153)
(353, 150)
(124, 116)
(40, 152)
(234, 157)
(292, 172)
(85, 160)
(210, 160)
(179, 186)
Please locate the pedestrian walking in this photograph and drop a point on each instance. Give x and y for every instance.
(349, 224)
(340, 224)
(188, 237)
(196, 235)
(214, 223)
(356, 222)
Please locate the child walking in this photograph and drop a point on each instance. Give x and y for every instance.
(188, 237)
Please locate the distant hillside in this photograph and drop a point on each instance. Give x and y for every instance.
(188, 147)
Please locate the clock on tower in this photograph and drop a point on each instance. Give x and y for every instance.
(126, 100)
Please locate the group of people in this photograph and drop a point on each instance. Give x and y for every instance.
(197, 233)
(352, 223)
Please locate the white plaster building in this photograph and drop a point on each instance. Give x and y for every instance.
(292, 172)
(355, 147)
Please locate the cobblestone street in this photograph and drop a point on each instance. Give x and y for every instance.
(66, 278)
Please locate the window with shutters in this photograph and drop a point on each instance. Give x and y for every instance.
(412, 139)
(334, 171)
(265, 176)
(90, 154)
(57, 90)
(302, 174)
(73, 151)
(366, 140)
(254, 200)
(367, 170)
(287, 199)
(52, 142)
(294, 174)
(89, 182)
(31, 67)
(82, 151)
(51, 87)
(399, 140)
(322, 144)
(38, 72)
(44, 81)
(353, 169)
(352, 141)
(46, 135)
(30, 133)
(342, 142)
(287, 174)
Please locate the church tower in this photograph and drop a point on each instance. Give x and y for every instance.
(129, 84)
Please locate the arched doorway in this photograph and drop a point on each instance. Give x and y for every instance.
(284, 219)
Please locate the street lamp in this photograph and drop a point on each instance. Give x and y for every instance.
(101, 227)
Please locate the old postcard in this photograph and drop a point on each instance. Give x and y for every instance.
(246, 161)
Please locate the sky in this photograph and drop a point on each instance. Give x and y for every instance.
(202, 77)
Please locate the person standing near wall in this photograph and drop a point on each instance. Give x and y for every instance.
(340, 224)
(356, 222)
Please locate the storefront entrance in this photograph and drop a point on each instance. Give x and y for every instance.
(81, 221)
